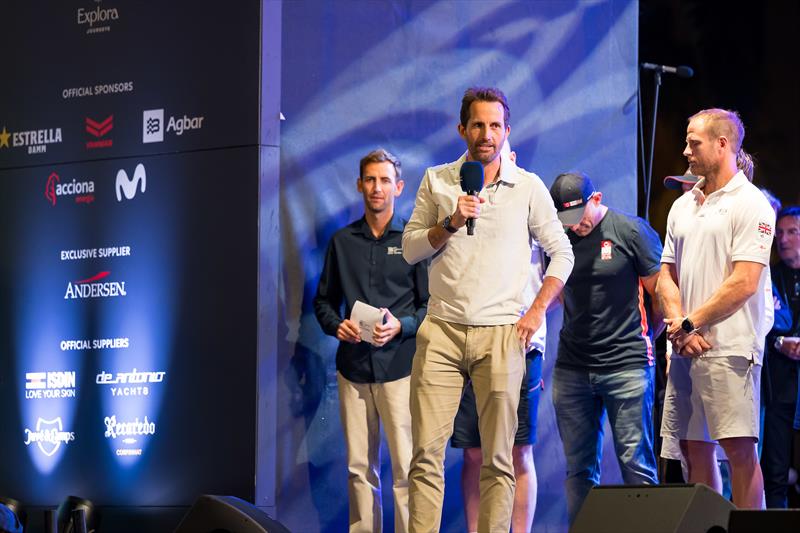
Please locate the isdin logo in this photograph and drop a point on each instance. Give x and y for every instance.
(127, 186)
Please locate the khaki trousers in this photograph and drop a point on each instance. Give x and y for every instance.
(362, 407)
(493, 357)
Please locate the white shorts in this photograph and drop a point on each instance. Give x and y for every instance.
(712, 398)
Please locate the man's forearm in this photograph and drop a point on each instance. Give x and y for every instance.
(669, 296)
(437, 236)
(551, 288)
(730, 297)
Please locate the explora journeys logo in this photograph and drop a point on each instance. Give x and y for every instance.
(94, 288)
(128, 187)
(83, 191)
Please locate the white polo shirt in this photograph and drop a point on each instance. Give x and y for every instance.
(705, 236)
(480, 279)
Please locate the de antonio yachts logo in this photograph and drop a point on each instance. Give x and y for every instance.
(93, 287)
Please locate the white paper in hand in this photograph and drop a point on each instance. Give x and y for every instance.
(366, 317)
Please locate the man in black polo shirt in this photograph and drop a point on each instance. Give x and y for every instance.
(605, 353)
(364, 262)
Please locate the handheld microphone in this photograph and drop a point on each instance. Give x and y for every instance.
(682, 71)
(471, 183)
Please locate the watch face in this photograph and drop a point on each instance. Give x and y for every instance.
(687, 325)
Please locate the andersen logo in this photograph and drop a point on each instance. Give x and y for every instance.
(97, 130)
(83, 191)
(94, 288)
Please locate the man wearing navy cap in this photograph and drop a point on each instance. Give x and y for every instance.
(605, 353)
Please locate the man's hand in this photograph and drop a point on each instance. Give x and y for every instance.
(790, 347)
(675, 332)
(348, 331)
(527, 327)
(383, 333)
(693, 345)
(468, 207)
(690, 345)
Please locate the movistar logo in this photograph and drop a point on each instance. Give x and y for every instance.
(127, 186)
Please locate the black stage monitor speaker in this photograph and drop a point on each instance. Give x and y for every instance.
(772, 521)
(227, 514)
(652, 508)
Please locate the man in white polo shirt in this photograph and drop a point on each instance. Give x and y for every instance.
(479, 322)
(714, 287)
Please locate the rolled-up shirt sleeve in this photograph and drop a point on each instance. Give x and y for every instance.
(547, 229)
(416, 245)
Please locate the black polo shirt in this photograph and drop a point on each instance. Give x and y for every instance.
(606, 327)
(360, 267)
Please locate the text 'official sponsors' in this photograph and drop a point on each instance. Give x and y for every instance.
(97, 90)
(98, 19)
(34, 141)
(127, 433)
(81, 191)
(154, 128)
(133, 383)
(93, 287)
(48, 435)
(49, 385)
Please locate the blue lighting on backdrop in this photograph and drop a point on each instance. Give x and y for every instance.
(569, 71)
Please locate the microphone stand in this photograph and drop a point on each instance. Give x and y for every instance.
(648, 177)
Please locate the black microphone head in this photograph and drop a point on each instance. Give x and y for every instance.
(684, 72)
(471, 177)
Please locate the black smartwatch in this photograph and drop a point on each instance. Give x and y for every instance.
(446, 224)
(688, 326)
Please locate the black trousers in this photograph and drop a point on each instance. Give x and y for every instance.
(780, 402)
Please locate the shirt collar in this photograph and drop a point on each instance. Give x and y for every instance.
(508, 169)
(735, 182)
(395, 226)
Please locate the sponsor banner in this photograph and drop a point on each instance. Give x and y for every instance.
(127, 434)
(82, 191)
(133, 383)
(49, 385)
(93, 287)
(98, 132)
(154, 129)
(33, 141)
(97, 18)
(48, 435)
(128, 187)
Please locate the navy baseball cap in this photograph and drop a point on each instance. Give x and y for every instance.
(675, 182)
(571, 191)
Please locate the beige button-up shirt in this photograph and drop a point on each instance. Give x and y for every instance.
(481, 279)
